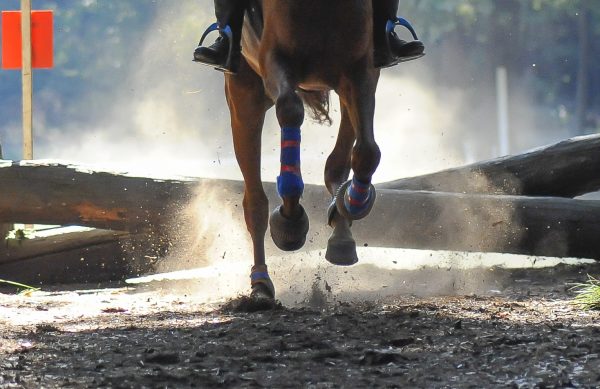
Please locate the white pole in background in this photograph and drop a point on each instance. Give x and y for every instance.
(27, 79)
(502, 110)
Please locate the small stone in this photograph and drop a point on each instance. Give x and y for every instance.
(378, 357)
(401, 342)
(326, 354)
(163, 358)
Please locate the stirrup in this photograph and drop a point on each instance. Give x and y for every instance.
(389, 28)
(398, 21)
(229, 34)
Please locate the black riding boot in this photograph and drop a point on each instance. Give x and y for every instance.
(225, 53)
(389, 48)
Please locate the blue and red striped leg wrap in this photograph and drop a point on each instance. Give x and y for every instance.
(357, 196)
(260, 275)
(289, 182)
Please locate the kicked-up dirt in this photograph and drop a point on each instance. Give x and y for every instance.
(525, 334)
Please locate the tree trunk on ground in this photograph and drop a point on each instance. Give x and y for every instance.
(555, 227)
(77, 257)
(566, 169)
(64, 195)
(4, 227)
(43, 193)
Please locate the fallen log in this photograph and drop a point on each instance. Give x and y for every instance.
(54, 194)
(539, 226)
(39, 192)
(18, 250)
(566, 169)
(4, 227)
(74, 257)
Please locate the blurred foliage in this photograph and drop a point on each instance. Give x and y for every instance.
(93, 39)
(537, 40)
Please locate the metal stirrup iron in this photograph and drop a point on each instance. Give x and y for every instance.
(391, 24)
(225, 31)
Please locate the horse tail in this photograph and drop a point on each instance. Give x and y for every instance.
(318, 104)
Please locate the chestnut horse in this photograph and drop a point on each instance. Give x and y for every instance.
(294, 53)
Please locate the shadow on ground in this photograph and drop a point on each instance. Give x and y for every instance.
(527, 334)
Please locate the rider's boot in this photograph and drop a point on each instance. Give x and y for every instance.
(224, 54)
(389, 48)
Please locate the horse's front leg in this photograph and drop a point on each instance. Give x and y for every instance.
(355, 198)
(289, 222)
(247, 104)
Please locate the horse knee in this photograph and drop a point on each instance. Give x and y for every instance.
(365, 159)
(290, 110)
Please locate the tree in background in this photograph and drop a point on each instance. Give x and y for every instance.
(547, 45)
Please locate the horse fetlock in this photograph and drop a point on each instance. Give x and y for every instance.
(290, 185)
(335, 219)
(261, 282)
(355, 199)
(365, 159)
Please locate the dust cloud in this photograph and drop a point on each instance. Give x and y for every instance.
(170, 119)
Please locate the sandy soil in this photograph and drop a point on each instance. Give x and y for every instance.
(525, 333)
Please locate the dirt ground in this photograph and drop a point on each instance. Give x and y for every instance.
(525, 334)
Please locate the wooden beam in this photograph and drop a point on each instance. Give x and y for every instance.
(18, 250)
(5, 228)
(67, 195)
(540, 226)
(76, 257)
(566, 169)
(52, 193)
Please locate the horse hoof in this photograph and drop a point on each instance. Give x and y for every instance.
(288, 234)
(341, 252)
(260, 299)
(353, 214)
(262, 291)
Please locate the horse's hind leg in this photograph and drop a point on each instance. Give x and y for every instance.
(289, 222)
(247, 104)
(355, 198)
(341, 247)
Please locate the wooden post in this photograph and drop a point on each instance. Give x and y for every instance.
(27, 80)
(27, 83)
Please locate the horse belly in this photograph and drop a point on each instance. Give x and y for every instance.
(317, 31)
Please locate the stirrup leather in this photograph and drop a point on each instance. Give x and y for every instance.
(226, 30)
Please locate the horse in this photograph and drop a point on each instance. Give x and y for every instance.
(294, 54)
